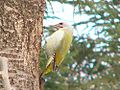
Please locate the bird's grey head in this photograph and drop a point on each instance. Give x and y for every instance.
(62, 25)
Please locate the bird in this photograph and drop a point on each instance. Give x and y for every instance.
(57, 46)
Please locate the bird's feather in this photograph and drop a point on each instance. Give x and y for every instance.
(53, 42)
(57, 47)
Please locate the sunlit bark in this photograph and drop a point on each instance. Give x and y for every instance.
(20, 37)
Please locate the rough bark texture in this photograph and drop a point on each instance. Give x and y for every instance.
(20, 37)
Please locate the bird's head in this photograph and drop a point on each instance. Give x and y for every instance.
(61, 25)
(64, 25)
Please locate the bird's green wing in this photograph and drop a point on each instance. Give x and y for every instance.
(53, 42)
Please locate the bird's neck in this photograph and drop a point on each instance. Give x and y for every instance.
(70, 29)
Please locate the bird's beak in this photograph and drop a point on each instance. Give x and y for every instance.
(55, 27)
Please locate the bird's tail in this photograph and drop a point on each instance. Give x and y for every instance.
(48, 68)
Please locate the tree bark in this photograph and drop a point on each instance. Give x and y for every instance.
(20, 39)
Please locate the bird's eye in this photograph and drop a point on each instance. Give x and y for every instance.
(61, 23)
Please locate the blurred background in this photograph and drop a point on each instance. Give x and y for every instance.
(93, 62)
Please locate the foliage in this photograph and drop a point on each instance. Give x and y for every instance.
(91, 63)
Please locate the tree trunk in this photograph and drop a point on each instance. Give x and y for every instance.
(20, 37)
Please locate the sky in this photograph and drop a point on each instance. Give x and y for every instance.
(65, 14)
